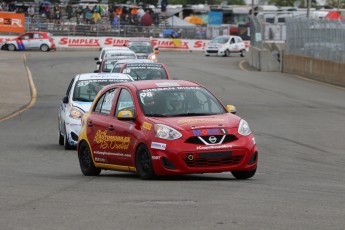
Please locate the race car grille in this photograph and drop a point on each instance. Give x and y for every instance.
(196, 140)
(142, 57)
(212, 51)
(211, 162)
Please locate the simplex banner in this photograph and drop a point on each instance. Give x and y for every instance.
(100, 42)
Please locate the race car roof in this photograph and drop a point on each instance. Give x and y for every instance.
(149, 84)
(119, 76)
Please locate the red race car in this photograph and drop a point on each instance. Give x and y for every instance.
(164, 127)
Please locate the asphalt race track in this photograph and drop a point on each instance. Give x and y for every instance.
(300, 182)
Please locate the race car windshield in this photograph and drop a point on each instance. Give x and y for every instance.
(220, 40)
(141, 47)
(86, 90)
(146, 73)
(179, 102)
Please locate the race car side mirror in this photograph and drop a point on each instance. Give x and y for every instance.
(96, 58)
(231, 109)
(65, 99)
(125, 115)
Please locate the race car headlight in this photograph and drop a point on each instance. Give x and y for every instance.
(166, 132)
(243, 128)
(75, 113)
(153, 57)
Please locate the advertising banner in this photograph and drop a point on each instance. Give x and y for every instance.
(11, 22)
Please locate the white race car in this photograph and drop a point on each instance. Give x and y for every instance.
(80, 94)
(224, 45)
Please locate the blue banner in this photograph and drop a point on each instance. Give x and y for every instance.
(215, 18)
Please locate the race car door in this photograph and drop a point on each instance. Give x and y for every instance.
(124, 137)
(25, 41)
(233, 45)
(100, 131)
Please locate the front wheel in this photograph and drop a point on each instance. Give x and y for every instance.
(143, 163)
(242, 175)
(66, 144)
(44, 48)
(87, 166)
(11, 47)
(243, 53)
(227, 53)
(61, 138)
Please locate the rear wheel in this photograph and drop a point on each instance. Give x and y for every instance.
(11, 47)
(227, 53)
(87, 166)
(44, 48)
(143, 163)
(242, 175)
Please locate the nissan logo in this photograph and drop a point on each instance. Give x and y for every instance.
(212, 139)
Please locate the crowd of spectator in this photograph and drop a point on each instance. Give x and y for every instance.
(115, 14)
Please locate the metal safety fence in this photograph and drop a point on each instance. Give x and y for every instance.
(105, 29)
(321, 39)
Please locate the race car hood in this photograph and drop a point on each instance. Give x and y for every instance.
(85, 106)
(202, 122)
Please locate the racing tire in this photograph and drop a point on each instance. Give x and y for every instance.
(227, 53)
(243, 175)
(87, 166)
(66, 144)
(207, 55)
(143, 163)
(243, 53)
(11, 47)
(61, 138)
(44, 48)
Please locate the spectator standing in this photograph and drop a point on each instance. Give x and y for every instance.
(69, 10)
(141, 13)
(96, 17)
(116, 20)
(31, 13)
(147, 19)
(164, 4)
(57, 15)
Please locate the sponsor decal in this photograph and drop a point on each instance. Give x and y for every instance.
(111, 142)
(156, 157)
(206, 132)
(171, 44)
(194, 121)
(115, 42)
(147, 125)
(213, 147)
(89, 42)
(112, 154)
(254, 142)
(100, 159)
(157, 145)
(167, 84)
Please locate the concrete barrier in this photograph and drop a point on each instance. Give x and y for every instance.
(317, 69)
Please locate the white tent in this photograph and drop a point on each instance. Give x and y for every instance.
(176, 21)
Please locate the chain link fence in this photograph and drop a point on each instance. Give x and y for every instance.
(321, 39)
